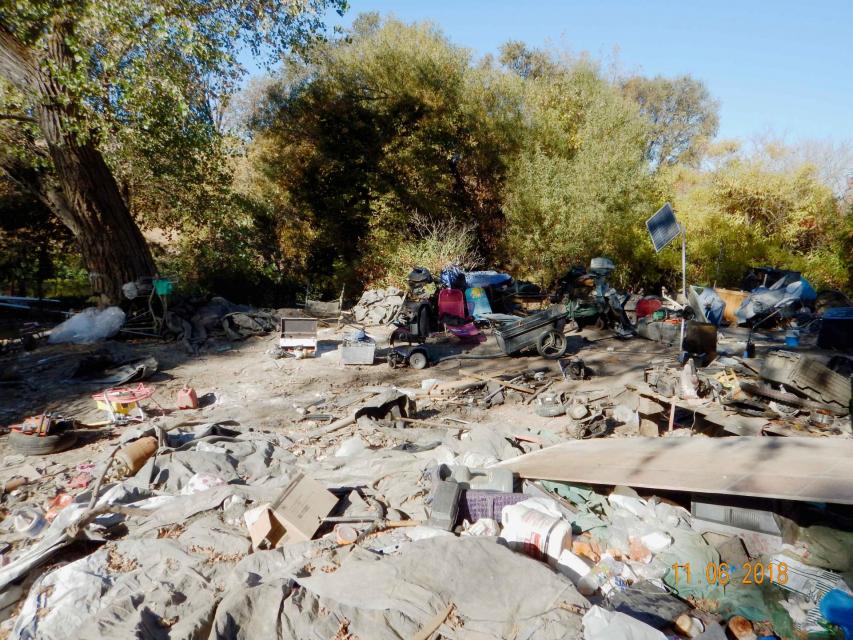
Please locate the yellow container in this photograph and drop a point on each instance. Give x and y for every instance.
(733, 299)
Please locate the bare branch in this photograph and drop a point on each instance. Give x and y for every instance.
(11, 116)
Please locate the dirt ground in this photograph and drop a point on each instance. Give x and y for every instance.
(242, 382)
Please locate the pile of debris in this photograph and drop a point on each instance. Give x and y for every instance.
(378, 306)
(383, 524)
(611, 489)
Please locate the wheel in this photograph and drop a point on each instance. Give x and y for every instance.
(423, 323)
(418, 360)
(31, 445)
(552, 345)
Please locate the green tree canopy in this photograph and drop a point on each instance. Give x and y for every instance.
(682, 113)
(83, 82)
(389, 123)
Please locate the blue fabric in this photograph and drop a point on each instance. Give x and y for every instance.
(452, 277)
(808, 293)
(713, 305)
(837, 607)
(486, 278)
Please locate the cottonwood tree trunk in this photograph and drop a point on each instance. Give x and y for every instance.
(81, 190)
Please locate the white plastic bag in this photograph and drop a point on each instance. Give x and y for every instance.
(201, 482)
(90, 325)
(350, 447)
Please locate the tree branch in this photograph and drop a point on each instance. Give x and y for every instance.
(16, 62)
(11, 116)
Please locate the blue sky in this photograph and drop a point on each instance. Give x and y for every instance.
(780, 67)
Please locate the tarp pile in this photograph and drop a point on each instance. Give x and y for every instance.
(378, 306)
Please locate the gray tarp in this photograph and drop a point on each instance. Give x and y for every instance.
(184, 569)
(165, 588)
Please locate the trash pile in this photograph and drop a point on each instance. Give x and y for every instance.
(610, 488)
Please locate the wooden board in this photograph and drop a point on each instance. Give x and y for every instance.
(805, 469)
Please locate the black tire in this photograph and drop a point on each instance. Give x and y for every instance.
(423, 323)
(552, 344)
(31, 445)
(418, 360)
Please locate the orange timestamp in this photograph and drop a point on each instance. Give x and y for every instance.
(722, 573)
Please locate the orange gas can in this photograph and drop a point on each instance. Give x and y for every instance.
(187, 398)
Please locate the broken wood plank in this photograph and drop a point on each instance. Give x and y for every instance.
(431, 423)
(545, 386)
(432, 625)
(508, 385)
(451, 388)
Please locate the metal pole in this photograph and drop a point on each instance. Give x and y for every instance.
(683, 275)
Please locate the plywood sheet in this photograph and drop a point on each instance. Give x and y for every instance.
(806, 469)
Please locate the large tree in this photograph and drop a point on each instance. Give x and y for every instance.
(77, 75)
(682, 113)
(389, 124)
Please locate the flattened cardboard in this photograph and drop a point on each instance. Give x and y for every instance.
(301, 508)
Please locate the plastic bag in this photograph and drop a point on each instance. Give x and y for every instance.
(90, 325)
(201, 482)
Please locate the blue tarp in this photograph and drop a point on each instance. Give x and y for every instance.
(710, 305)
(762, 299)
(486, 278)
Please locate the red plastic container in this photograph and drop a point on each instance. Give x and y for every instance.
(647, 306)
(187, 398)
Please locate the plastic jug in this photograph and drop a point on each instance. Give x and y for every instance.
(187, 398)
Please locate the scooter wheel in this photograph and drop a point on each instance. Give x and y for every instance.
(418, 360)
(552, 344)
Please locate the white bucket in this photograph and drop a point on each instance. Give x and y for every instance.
(537, 528)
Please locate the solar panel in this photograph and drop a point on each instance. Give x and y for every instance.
(663, 227)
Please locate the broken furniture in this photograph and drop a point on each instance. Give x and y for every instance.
(299, 335)
(150, 319)
(324, 311)
(122, 404)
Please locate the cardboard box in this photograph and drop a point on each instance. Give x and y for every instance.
(294, 517)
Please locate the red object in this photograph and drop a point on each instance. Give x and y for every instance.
(124, 395)
(647, 306)
(57, 504)
(187, 398)
(80, 481)
(451, 302)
